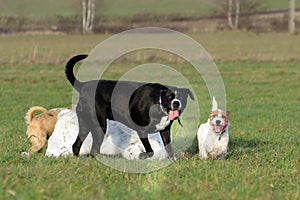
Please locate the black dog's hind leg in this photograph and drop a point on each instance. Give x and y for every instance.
(166, 138)
(98, 128)
(98, 136)
(149, 151)
(83, 133)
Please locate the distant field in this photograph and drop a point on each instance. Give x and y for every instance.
(261, 76)
(120, 8)
(117, 15)
(43, 49)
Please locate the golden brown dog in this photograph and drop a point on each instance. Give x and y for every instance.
(40, 127)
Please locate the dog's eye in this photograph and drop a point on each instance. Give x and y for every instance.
(223, 116)
(170, 97)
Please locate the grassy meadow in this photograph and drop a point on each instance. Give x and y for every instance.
(261, 74)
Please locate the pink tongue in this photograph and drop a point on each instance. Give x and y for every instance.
(173, 114)
(221, 127)
(218, 128)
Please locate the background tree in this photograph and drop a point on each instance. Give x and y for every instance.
(230, 14)
(88, 15)
(237, 10)
(292, 17)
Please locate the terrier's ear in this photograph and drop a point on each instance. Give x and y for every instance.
(214, 104)
(211, 114)
(227, 116)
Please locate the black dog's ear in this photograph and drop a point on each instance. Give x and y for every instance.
(189, 92)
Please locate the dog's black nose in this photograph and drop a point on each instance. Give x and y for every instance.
(175, 104)
(218, 122)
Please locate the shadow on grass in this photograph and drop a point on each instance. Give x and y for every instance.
(236, 147)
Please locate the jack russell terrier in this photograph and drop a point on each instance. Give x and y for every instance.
(213, 136)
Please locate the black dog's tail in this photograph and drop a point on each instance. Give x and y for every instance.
(69, 70)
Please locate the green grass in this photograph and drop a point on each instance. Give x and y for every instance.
(262, 96)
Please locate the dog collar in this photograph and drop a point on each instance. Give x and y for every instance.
(222, 131)
(221, 134)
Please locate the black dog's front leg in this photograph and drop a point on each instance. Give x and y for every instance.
(149, 151)
(77, 145)
(166, 137)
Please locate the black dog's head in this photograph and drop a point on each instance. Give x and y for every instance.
(169, 104)
(174, 100)
(151, 103)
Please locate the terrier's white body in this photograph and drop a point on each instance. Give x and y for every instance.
(213, 136)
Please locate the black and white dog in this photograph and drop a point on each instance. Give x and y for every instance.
(144, 107)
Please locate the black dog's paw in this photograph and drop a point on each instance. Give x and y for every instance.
(84, 157)
(172, 158)
(146, 155)
(75, 150)
(94, 153)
